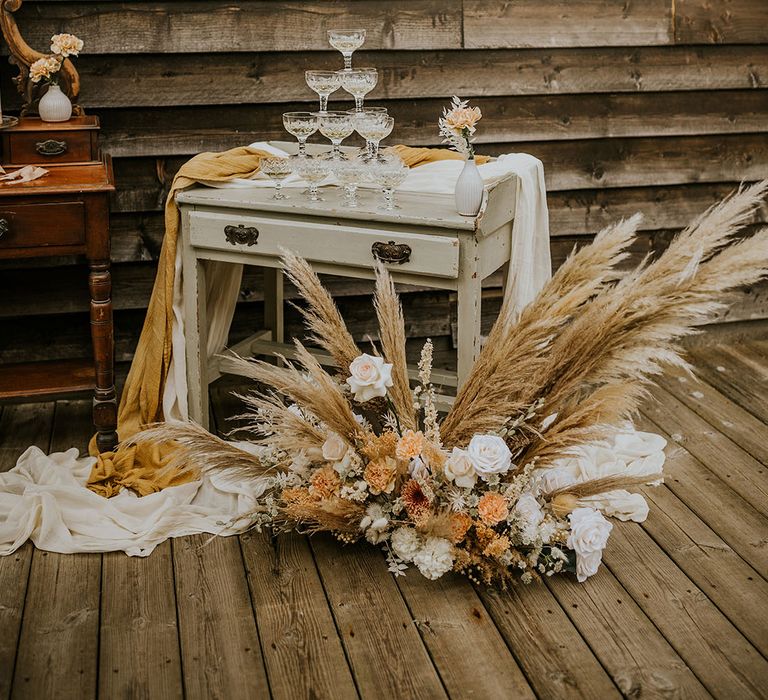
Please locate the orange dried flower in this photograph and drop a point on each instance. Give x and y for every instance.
(380, 475)
(416, 501)
(410, 444)
(497, 546)
(460, 524)
(296, 496)
(324, 482)
(377, 446)
(434, 456)
(492, 508)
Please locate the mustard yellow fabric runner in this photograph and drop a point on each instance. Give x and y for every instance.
(144, 469)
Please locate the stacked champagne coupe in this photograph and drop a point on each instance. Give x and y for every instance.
(372, 123)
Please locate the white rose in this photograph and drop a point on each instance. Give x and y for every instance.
(588, 537)
(549, 480)
(406, 543)
(459, 469)
(597, 462)
(587, 565)
(370, 377)
(489, 455)
(334, 447)
(435, 558)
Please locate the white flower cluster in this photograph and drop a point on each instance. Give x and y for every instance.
(433, 556)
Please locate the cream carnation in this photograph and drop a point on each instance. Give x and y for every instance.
(435, 558)
(459, 469)
(406, 543)
(369, 377)
(45, 67)
(489, 455)
(588, 537)
(66, 45)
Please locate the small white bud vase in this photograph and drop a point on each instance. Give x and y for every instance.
(54, 106)
(469, 189)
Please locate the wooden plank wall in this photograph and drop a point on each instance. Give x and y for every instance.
(658, 106)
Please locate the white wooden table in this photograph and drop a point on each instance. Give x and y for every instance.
(427, 242)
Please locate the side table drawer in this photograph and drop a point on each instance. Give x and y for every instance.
(346, 245)
(25, 147)
(41, 225)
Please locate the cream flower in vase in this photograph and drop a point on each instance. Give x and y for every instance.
(66, 45)
(369, 377)
(44, 68)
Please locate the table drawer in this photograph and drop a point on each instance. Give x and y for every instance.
(40, 147)
(41, 225)
(347, 245)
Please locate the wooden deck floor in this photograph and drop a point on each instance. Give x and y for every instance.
(678, 610)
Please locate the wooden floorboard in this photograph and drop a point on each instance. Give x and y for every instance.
(678, 610)
(20, 426)
(61, 614)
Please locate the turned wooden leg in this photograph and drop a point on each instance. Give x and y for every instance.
(103, 337)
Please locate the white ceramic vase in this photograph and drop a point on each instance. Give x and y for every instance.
(469, 189)
(54, 106)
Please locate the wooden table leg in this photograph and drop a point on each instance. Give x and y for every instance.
(273, 303)
(103, 337)
(195, 331)
(469, 299)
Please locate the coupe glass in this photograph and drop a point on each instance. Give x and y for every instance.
(301, 125)
(373, 126)
(277, 169)
(350, 173)
(336, 126)
(358, 83)
(389, 174)
(346, 41)
(323, 82)
(314, 170)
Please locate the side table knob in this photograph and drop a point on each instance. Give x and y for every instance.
(241, 235)
(391, 252)
(5, 227)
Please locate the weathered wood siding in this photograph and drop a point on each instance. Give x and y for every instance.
(658, 106)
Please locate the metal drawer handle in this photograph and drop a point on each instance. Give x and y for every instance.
(5, 227)
(391, 252)
(51, 147)
(241, 235)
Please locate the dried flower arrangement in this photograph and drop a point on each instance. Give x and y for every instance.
(46, 69)
(457, 126)
(487, 490)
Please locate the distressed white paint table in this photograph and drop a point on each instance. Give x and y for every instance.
(425, 242)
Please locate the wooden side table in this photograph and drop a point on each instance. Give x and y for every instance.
(66, 212)
(425, 242)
